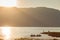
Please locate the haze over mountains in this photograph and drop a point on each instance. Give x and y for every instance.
(30, 17)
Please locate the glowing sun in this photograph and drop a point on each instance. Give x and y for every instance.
(8, 3)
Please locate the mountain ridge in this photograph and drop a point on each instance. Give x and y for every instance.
(36, 17)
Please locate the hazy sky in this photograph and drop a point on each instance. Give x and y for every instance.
(44, 3)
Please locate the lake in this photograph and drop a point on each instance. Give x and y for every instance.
(17, 32)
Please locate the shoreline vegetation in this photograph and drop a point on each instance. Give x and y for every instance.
(34, 39)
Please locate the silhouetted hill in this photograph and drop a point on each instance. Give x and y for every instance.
(40, 16)
(37, 17)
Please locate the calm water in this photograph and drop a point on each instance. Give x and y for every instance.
(17, 32)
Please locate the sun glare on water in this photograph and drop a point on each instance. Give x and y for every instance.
(8, 3)
(6, 31)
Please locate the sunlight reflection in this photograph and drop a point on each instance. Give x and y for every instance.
(6, 31)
